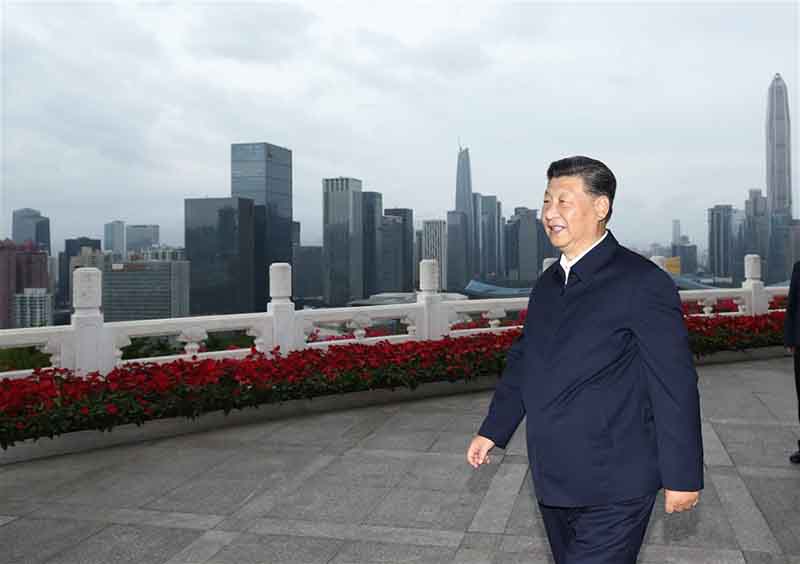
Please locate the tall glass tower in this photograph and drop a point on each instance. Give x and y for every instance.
(263, 173)
(464, 204)
(779, 180)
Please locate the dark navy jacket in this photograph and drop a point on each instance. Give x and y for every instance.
(605, 375)
(791, 323)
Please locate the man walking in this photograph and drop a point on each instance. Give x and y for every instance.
(604, 373)
(790, 339)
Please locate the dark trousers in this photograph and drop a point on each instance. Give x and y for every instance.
(598, 534)
(797, 378)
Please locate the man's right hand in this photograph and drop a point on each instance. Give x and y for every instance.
(478, 451)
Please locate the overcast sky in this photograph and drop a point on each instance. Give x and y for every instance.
(120, 111)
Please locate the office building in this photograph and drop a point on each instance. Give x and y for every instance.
(141, 237)
(407, 274)
(146, 290)
(263, 173)
(434, 246)
(779, 180)
(219, 235)
(114, 240)
(30, 225)
(371, 215)
(343, 240)
(392, 254)
(457, 251)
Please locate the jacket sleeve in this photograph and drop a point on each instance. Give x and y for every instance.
(668, 366)
(789, 321)
(507, 409)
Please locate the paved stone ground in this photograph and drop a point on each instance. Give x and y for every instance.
(391, 484)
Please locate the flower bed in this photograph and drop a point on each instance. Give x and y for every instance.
(54, 401)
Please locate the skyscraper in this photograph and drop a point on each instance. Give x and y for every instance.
(522, 245)
(676, 231)
(72, 248)
(263, 173)
(114, 239)
(464, 203)
(457, 251)
(146, 290)
(434, 246)
(756, 223)
(219, 235)
(372, 203)
(407, 272)
(30, 225)
(720, 240)
(343, 241)
(491, 236)
(779, 180)
(392, 257)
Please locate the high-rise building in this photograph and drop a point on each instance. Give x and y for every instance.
(72, 248)
(464, 204)
(676, 231)
(219, 236)
(721, 240)
(407, 272)
(756, 224)
(32, 269)
(295, 233)
(343, 241)
(114, 240)
(30, 225)
(501, 242)
(779, 180)
(479, 254)
(371, 214)
(307, 273)
(417, 255)
(434, 246)
(263, 173)
(491, 236)
(523, 261)
(146, 290)
(163, 253)
(33, 308)
(392, 259)
(141, 237)
(687, 254)
(457, 251)
(8, 282)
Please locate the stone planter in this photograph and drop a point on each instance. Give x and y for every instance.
(80, 441)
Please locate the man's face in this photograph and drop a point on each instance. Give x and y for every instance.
(572, 217)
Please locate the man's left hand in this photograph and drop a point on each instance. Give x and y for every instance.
(675, 501)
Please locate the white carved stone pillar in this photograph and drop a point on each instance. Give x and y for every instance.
(757, 299)
(281, 307)
(93, 346)
(435, 324)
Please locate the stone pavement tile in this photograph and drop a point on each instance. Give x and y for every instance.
(525, 518)
(203, 548)
(272, 467)
(734, 401)
(276, 549)
(367, 468)
(354, 532)
(358, 552)
(430, 509)
(498, 503)
(7, 519)
(176, 460)
(752, 557)
(745, 516)
(411, 421)
(753, 445)
(783, 406)
(314, 430)
(463, 403)
(115, 488)
(225, 438)
(27, 482)
(518, 443)
(122, 544)
(714, 454)
(448, 473)
(328, 502)
(34, 540)
(454, 442)
(659, 554)
(217, 496)
(779, 501)
(485, 541)
(126, 516)
(767, 377)
(706, 526)
(400, 440)
(261, 504)
(466, 423)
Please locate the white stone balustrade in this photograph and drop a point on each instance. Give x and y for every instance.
(89, 344)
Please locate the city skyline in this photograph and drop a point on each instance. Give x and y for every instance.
(668, 146)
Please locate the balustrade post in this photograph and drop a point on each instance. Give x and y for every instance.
(435, 324)
(93, 348)
(757, 299)
(281, 306)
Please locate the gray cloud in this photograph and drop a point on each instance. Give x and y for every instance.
(115, 111)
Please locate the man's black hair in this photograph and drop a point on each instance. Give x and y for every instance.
(597, 177)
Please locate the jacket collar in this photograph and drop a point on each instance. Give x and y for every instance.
(591, 262)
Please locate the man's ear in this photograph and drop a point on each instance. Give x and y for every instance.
(601, 207)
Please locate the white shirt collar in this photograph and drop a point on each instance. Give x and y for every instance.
(566, 263)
